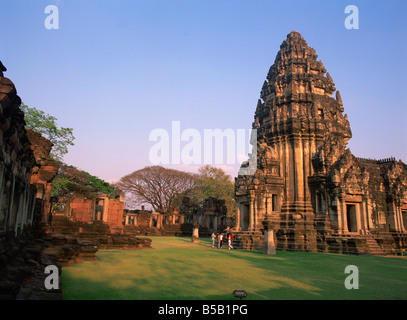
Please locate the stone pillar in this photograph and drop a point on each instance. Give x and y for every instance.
(358, 217)
(251, 217)
(262, 210)
(237, 227)
(195, 233)
(159, 221)
(269, 246)
(298, 170)
(342, 221)
(105, 209)
(307, 165)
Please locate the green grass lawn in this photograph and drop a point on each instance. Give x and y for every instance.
(177, 269)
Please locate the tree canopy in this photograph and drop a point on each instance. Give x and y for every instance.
(156, 186)
(71, 180)
(163, 189)
(46, 125)
(214, 182)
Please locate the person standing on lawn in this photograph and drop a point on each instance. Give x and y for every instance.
(230, 241)
(220, 238)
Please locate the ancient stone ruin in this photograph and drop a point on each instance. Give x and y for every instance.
(211, 216)
(308, 187)
(31, 239)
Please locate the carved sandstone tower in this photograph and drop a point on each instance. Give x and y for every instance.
(296, 118)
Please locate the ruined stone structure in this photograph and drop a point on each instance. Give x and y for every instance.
(143, 222)
(308, 187)
(97, 208)
(16, 162)
(23, 255)
(42, 175)
(27, 241)
(212, 216)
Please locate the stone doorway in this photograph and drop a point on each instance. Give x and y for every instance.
(351, 217)
(404, 217)
(244, 220)
(99, 210)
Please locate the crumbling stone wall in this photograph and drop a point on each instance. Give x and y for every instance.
(22, 256)
(42, 175)
(96, 208)
(16, 163)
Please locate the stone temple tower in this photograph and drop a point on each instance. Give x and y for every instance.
(308, 187)
(297, 118)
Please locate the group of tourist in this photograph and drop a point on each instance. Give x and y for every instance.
(220, 236)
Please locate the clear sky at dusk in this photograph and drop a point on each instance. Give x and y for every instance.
(116, 70)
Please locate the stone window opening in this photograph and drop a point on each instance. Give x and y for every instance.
(321, 113)
(274, 204)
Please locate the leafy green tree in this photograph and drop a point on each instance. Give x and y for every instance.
(46, 124)
(71, 181)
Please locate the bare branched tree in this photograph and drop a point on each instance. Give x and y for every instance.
(156, 186)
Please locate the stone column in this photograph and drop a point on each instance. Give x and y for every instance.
(394, 222)
(33, 197)
(195, 233)
(262, 210)
(363, 214)
(159, 221)
(237, 227)
(298, 169)
(342, 218)
(358, 217)
(251, 217)
(105, 209)
(9, 209)
(268, 245)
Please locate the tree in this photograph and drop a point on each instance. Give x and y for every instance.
(46, 124)
(71, 180)
(214, 182)
(156, 186)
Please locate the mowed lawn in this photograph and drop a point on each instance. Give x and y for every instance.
(177, 269)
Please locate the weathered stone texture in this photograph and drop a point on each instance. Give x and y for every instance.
(16, 162)
(317, 195)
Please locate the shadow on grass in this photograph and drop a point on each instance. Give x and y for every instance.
(180, 273)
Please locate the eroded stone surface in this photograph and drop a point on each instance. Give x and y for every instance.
(316, 194)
